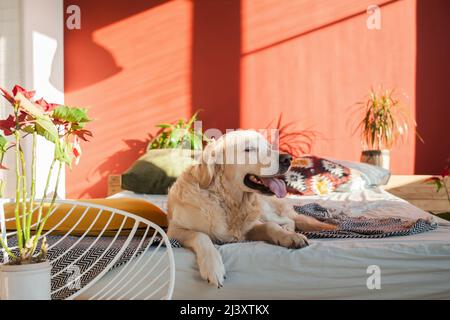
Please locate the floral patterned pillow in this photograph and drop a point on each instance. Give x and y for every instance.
(311, 175)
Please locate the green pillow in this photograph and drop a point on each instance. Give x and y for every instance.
(157, 170)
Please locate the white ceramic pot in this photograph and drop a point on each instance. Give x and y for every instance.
(25, 282)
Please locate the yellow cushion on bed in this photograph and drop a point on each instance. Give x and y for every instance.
(141, 208)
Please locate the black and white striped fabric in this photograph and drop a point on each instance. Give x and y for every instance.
(362, 227)
(75, 267)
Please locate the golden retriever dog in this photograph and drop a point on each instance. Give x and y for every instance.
(234, 194)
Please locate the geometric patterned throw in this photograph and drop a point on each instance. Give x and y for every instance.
(362, 227)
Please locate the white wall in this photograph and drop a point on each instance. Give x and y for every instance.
(11, 67)
(43, 47)
(36, 42)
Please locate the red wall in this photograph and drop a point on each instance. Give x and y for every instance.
(432, 85)
(130, 65)
(135, 64)
(314, 66)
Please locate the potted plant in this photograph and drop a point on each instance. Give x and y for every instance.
(178, 135)
(173, 148)
(385, 123)
(25, 273)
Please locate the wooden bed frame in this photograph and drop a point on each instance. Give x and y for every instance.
(415, 190)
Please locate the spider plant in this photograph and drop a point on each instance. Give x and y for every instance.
(180, 134)
(61, 125)
(386, 121)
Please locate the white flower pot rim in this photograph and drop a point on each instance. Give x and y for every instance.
(38, 267)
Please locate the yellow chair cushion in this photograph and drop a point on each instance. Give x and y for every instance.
(141, 208)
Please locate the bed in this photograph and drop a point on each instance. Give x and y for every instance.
(410, 267)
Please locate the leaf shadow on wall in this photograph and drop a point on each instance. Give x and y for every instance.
(96, 63)
(85, 57)
(117, 163)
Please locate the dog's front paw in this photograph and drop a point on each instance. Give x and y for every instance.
(292, 240)
(212, 268)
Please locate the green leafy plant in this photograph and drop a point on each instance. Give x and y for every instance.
(180, 134)
(441, 181)
(61, 125)
(385, 122)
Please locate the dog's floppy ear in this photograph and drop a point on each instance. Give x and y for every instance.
(208, 166)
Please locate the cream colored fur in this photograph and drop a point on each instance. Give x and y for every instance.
(209, 203)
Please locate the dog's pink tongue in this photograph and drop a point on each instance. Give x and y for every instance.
(277, 186)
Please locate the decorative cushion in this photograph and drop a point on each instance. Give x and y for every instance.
(141, 208)
(355, 183)
(311, 175)
(157, 170)
(372, 175)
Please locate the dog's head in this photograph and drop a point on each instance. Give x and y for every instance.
(244, 159)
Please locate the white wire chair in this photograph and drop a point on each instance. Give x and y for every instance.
(134, 261)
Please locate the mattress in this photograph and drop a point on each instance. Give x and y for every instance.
(411, 267)
(160, 200)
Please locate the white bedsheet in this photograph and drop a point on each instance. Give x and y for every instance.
(160, 200)
(412, 267)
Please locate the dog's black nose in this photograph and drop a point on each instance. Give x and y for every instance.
(285, 159)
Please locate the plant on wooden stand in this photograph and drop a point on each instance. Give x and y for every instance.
(64, 127)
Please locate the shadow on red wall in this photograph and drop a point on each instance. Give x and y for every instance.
(433, 86)
(115, 164)
(216, 63)
(92, 60)
(129, 65)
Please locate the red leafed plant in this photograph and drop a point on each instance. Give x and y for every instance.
(61, 125)
(441, 181)
(293, 141)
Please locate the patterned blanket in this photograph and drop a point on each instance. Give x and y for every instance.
(362, 227)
